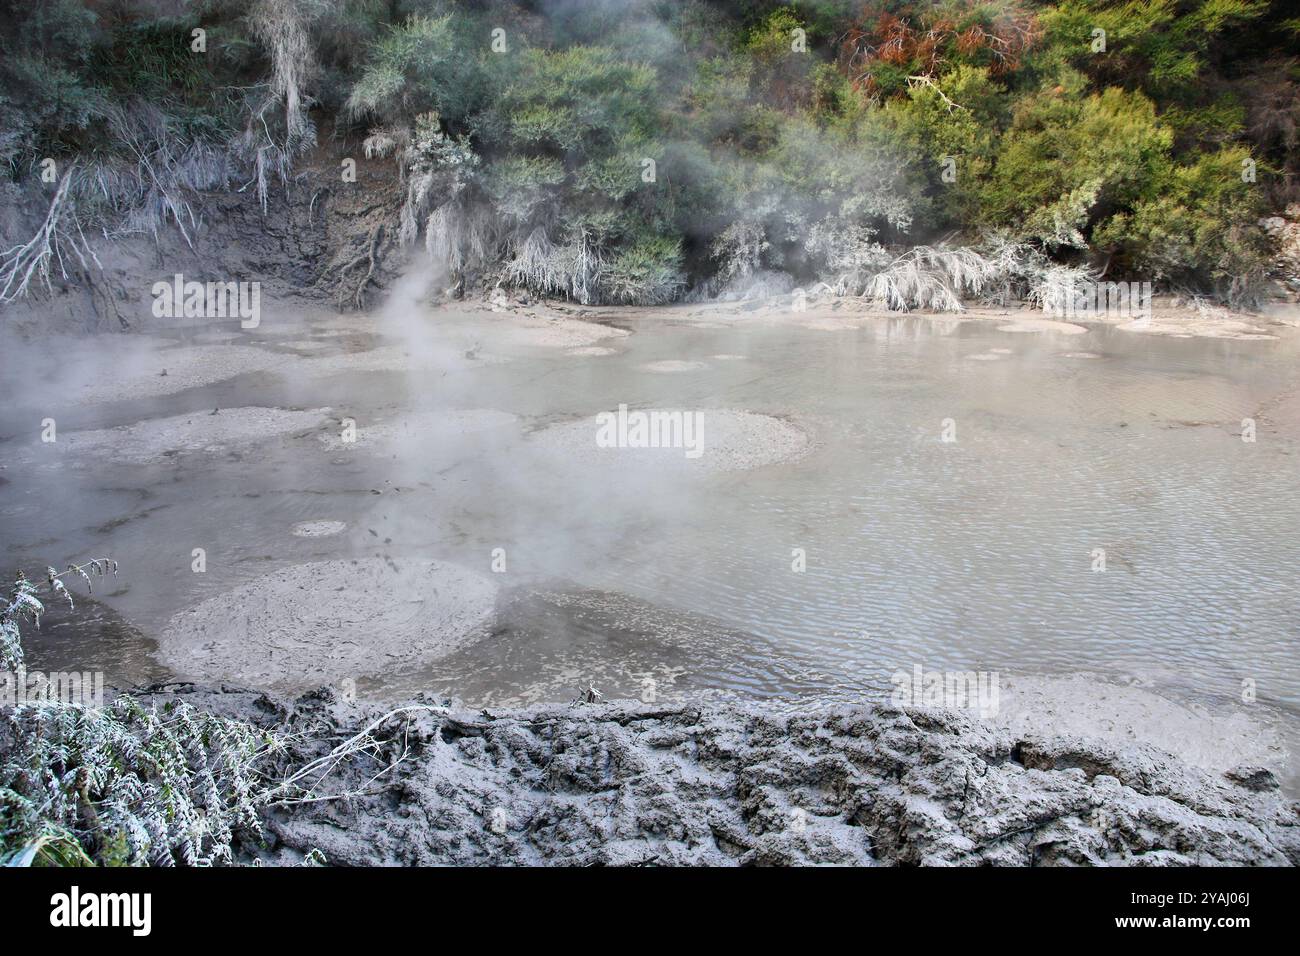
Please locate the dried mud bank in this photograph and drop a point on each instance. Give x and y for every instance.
(735, 784)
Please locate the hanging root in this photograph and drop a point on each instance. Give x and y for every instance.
(32, 259)
(371, 258)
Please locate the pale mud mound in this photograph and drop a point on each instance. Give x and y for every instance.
(172, 370)
(1042, 325)
(328, 621)
(548, 332)
(729, 440)
(1116, 715)
(727, 784)
(195, 433)
(675, 365)
(417, 429)
(591, 350)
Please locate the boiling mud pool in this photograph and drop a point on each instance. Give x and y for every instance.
(868, 544)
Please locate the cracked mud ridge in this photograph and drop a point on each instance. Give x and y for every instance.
(636, 784)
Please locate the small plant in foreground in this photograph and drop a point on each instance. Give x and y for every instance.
(127, 784)
(124, 784)
(25, 604)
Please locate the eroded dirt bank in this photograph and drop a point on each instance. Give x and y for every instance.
(635, 784)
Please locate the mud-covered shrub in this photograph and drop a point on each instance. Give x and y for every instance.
(520, 186)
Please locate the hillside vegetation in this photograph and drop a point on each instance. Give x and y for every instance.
(649, 150)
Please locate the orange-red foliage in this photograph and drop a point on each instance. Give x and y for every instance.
(924, 48)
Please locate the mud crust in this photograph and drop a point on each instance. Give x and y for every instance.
(747, 784)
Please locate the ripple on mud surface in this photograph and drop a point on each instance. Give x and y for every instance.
(328, 621)
(728, 440)
(547, 645)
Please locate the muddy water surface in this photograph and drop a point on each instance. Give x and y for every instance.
(984, 552)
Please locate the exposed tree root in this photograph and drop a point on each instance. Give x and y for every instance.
(32, 259)
(371, 259)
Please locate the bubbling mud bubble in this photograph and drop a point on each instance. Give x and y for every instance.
(704, 440)
(419, 427)
(328, 622)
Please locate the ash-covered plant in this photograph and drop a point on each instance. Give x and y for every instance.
(25, 604)
(574, 268)
(738, 251)
(459, 236)
(277, 126)
(846, 253)
(932, 277)
(123, 784)
(540, 265)
(131, 785)
(437, 167)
